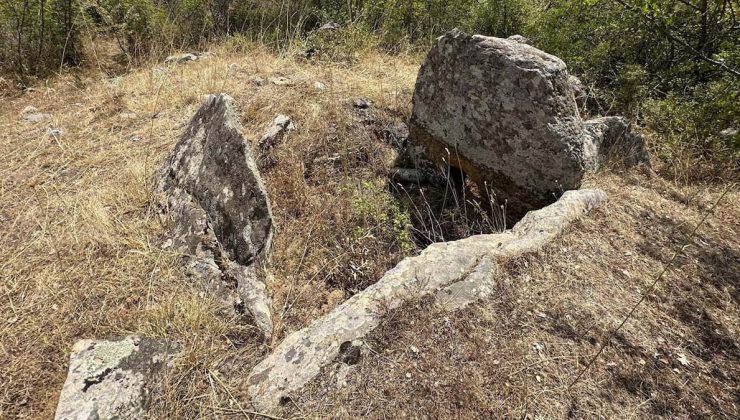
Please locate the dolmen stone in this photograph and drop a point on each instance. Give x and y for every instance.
(505, 114)
(217, 203)
(456, 273)
(115, 378)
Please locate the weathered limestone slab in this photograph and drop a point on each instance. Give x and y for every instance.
(476, 286)
(461, 269)
(113, 378)
(219, 207)
(502, 111)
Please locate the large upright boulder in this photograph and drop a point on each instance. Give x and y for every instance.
(505, 112)
(218, 205)
(213, 163)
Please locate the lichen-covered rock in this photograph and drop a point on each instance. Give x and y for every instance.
(612, 139)
(457, 273)
(218, 203)
(505, 112)
(519, 38)
(213, 164)
(31, 115)
(252, 294)
(113, 378)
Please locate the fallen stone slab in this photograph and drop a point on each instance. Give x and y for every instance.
(458, 273)
(218, 205)
(115, 378)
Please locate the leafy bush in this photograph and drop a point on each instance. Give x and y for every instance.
(38, 36)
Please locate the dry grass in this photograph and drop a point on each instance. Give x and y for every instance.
(516, 354)
(80, 257)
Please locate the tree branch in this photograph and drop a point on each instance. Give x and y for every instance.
(682, 42)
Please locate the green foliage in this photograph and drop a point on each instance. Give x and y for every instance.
(378, 214)
(662, 62)
(341, 45)
(39, 36)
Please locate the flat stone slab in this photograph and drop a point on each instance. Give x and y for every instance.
(113, 378)
(458, 273)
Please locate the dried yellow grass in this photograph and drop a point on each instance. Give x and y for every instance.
(516, 354)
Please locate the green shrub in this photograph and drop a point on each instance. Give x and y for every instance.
(39, 36)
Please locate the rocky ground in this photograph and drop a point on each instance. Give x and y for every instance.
(84, 256)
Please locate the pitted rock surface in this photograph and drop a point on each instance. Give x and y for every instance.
(219, 207)
(113, 378)
(458, 273)
(505, 112)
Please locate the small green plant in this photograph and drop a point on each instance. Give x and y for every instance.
(377, 213)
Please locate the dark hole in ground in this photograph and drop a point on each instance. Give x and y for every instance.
(452, 207)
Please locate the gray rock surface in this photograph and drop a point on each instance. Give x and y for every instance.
(360, 103)
(187, 57)
(274, 133)
(115, 378)
(518, 38)
(457, 273)
(612, 139)
(218, 205)
(281, 81)
(31, 115)
(506, 113)
(330, 26)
